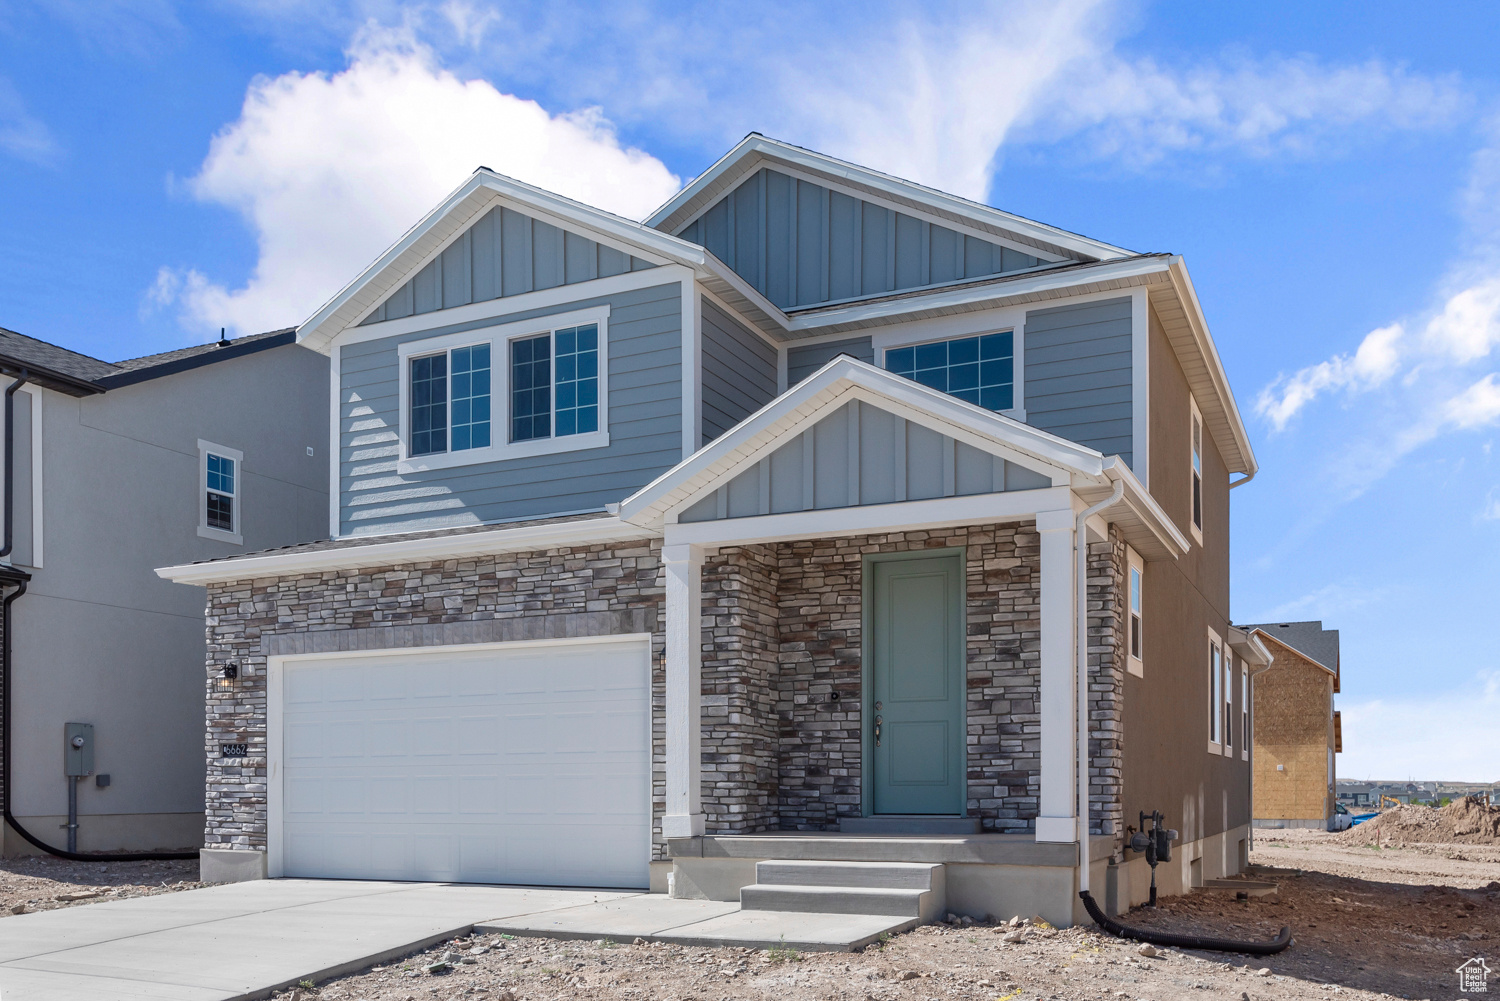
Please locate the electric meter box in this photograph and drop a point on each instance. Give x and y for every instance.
(78, 749)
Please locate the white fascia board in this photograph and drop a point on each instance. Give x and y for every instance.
(717, 268)
(1262, 634)
(406, 551)
(1145, 507)
(562, 209)
(937, 513)
(1042, 281)
(1189, 298)
(754, 144)
(829, 388)
(1250, 647)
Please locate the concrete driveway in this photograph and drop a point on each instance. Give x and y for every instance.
(244, 940)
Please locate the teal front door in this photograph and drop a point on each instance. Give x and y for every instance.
(914, 701)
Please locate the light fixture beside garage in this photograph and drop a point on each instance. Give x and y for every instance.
(231, 671)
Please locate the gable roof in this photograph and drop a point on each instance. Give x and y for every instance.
(756, 151)
(78, 374)
(482, 191)
(1087, 471)
(1307, 639)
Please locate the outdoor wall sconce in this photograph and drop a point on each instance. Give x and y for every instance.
(231, 671)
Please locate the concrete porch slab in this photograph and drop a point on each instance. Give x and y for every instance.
(712, 923)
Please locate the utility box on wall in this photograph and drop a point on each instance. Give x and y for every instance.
(78, 749)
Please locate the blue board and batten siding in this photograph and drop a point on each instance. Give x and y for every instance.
(645, 427)
(804, 360)
(861, 455)
(739, 371)
(504, 253)
(1078, 374)
(800, 243)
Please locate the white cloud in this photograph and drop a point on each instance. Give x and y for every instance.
(21, 135)
(1491, 510)
(1468, 325)
(1476, 406)
(1394, 739)
(935, 100)
(1374, 362)
(328, 170)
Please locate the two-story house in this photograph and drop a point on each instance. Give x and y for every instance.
(821, 516)
(111, 469)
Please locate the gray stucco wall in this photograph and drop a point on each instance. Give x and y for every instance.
(804, 360)
(98, 637)
(1078, 374)
(739, 372)
(801, 243)
(645, 426)
(503, 253)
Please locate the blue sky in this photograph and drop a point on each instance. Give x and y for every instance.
(1330, 172)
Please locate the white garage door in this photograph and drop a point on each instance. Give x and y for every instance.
(513, 763)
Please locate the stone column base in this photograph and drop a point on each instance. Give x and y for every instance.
(230, 865)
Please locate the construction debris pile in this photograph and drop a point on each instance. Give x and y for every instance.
(1464, 821)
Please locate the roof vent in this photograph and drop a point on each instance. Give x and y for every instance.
(223, 340)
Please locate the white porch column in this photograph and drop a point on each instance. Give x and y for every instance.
(684, 813)
(1057, 817)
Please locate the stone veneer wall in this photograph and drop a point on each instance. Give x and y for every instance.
(594, 590)
(1107, 593)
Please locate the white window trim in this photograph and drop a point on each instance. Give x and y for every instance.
(1196, 415)
(1215, 698)
(1245, 711)
(218, 534)
(1227, 659)
(1016, 329)
(1135, 665)
(499, 338)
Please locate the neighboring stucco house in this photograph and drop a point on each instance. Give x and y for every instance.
(753, 532)
(1297, 730)
(117, 468)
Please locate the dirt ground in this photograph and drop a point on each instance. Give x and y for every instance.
(43, 883)
(1368, 923)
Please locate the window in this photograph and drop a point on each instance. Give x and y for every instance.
(978, 370)
(554, 383)
(450, 400)
(1136, 642)
(220, 473)
(1244, 712)
(1215, 694)
(1228, 702)
(1197, 470)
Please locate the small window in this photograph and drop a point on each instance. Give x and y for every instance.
(1136, 641)
(1215, 694)
(450, 400)
(1244, 712)
(1197, 461)
(220, 473)
(554, 383)
(1228, 702)
(978, 370)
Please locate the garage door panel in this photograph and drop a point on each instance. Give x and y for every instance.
(527, 766)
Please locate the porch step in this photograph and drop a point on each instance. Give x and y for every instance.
(903, 889)
(910, 824)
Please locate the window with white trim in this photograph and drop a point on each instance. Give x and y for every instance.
(449, 400)
(516, 389)
(220, 477)
(1197, 469)
(1228, 701)
(979, 369)
(1215, 692)
(1244, 711)
(1135, 580)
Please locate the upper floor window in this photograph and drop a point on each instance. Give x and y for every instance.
(1135, 583)
(1197, 469)
(507, 391)
(220, 474)
(978, 369)
(450, 400)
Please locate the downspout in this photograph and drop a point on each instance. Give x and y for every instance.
(1081, 551)
(20, 579)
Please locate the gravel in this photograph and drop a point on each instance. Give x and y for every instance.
(44, 883)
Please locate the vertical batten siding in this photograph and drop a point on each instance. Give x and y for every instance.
(739, 372)
(804, 360)
(503, 253)
(645, 426)
(1078, 374)
(800, 243)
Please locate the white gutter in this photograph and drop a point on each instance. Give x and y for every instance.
(1081, 548)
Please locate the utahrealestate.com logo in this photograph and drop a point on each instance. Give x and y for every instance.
(1473, 976)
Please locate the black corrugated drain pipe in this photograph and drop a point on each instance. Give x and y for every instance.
(1275, 945)
(11, 577)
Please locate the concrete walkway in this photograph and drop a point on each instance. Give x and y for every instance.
(245, 940)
